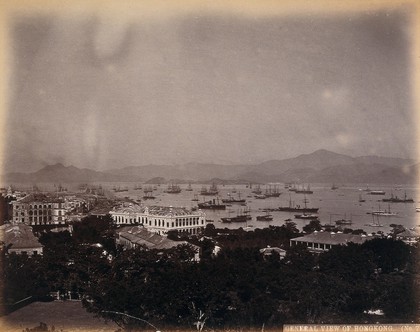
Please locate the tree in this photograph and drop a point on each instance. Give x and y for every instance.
(314, 225)
(389, 254)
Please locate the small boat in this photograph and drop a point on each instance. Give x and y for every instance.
(418, 209)
(260, 196)
(266, 217)
(189, 188)
(195, 199)
(344, 221)
(334, 187)
(306, 216)
(361, 199)
(376, 192)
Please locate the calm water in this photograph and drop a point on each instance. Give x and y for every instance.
(332, 204)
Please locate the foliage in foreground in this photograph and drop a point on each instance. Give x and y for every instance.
(238, 287)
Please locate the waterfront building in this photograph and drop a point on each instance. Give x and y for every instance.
(19, 239)
(39, 209)
(323, 241)
(161, 219)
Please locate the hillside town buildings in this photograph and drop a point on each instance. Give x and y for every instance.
(161, 219)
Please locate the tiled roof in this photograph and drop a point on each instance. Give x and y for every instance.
(408, 233)
(141, 236)
(39, 198)
(332, 238)
(19, 236)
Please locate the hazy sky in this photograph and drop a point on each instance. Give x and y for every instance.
(206, 87)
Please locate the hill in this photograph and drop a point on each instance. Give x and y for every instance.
(321, 166)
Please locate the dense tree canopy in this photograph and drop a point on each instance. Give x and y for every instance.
(236, 287)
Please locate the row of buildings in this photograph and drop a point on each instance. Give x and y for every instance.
(143, 222)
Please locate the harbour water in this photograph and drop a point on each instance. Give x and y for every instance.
(342, 203)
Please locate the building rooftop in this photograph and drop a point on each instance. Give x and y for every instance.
(39, 198)
(18, 236)
(164, 211)
(141, 236)
(408, 233)
(332, 238)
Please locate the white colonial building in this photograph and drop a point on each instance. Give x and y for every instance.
(161, 219)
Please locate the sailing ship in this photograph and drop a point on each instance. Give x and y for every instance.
(173, 189)
(265, 217)
(240, 217)
(189, 188)
(304, 190)
(297, 208)
(212, 205)
(148, 189)
(230, 199)
(120, 189)
(376, 192)
(293, 187)
(395, 199)
(257, 190)
(373, 223)
(272, 192)
(361, 199)
(212, 191)
(149, 195)
(306, 216)
(384, 213)
(344, 221)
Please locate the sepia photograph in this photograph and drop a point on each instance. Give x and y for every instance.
(209, 166)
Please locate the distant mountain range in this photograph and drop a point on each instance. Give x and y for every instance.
(321, 166)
